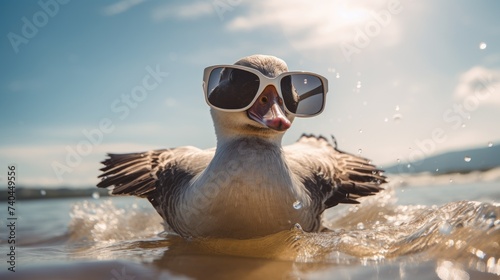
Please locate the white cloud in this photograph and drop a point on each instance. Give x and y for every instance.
(479, 85)
(321, 24)
(120, 7)
(189, 11)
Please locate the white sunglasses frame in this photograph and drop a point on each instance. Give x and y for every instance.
(264, 81)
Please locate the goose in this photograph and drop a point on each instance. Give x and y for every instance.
(249, 185)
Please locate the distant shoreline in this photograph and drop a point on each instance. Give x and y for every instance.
(415, 178)
(24, 193)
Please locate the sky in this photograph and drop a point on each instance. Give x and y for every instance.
(79, 79)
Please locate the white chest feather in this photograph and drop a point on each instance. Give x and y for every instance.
(247, 190)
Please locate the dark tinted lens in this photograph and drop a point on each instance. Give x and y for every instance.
(230, 88)
(290, 96)
(303, 94)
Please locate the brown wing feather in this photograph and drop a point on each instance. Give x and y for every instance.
(138, 173)
(157, 175)
(131, 174)
(331, 175)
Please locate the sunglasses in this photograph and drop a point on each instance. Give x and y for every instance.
(235, 88)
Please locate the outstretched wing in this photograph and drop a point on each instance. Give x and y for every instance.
(153, 174)
(330, 175)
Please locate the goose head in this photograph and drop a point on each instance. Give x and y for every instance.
(267, 117)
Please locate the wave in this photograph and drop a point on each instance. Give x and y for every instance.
(463, 233)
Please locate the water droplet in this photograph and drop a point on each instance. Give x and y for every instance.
(398, 160)
(358, 85)
(451, 180)
(464, 125)
(397, 117)
(467, 159)
(96, 195)
(337, 76)
(445, 228)
(490, 219)
(360, 131)
(482, 45)
(305, 81)
(409, 165)
(480, 254)
(43, 192)
(490, 144)
(360, 151)
(397, 108)
(360, 226)
(297, 205)
(386, 119)
(437, 169)
(450, 243)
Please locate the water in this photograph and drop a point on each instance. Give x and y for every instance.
(416, 229)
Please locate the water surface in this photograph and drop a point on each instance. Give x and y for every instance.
(416, 229)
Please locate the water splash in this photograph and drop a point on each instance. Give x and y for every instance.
(377, 230)
(103, 222)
